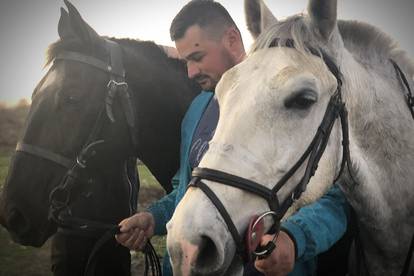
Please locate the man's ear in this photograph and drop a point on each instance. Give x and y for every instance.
(232, 38)
(233, 42)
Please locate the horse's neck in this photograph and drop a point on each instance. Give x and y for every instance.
(160, 108)
(382, 153)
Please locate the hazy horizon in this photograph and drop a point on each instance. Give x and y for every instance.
(28, 27)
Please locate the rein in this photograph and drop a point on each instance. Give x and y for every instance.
(60, 196)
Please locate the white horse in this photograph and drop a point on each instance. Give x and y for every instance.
(270, 108)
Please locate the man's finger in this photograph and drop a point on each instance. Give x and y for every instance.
(267, 263)
(139, 240)
(121, 238)
(134, 236)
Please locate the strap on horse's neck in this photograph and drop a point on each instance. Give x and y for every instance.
(409, 95)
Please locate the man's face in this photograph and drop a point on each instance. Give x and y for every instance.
(207, 57)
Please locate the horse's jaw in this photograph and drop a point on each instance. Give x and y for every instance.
(25, 231)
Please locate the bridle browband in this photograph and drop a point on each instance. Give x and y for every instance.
(336, 109)
(60, 196)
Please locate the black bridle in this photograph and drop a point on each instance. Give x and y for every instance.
(60, 197)
(336, 109)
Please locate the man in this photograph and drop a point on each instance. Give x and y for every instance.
(209, 41)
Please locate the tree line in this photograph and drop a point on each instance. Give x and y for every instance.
(12, 120)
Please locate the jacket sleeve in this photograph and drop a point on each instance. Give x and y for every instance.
(162, 210)
(316, 227)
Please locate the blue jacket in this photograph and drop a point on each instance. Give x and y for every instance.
(315, 228)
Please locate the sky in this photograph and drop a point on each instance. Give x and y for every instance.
(27, 27)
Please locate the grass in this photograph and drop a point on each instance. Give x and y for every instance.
(5, 156)
(16, 260)
(21, 260)
(147, 179)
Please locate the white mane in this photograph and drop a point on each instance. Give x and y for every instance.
(367, 43)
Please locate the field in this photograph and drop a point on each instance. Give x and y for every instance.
(20, 260)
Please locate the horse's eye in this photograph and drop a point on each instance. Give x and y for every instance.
(302, 100)
(72, 99)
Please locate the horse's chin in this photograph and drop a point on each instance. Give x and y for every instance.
(235, 269)
(33, 238)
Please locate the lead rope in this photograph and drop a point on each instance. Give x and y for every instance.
(151, 258)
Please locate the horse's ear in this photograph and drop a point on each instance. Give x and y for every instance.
(258, 16)
(72, 25)
(64, 28)
(323, 15)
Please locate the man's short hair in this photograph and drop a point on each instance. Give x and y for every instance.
(204, 13)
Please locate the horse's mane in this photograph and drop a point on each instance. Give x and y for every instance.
(150, 48)
(76, 45)
(364, 41)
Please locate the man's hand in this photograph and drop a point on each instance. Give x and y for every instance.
(282, 259)
(136, 230)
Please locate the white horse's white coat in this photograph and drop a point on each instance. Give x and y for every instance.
(260, 137)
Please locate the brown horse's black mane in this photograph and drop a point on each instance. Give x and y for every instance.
(149, 49)
(140, 46)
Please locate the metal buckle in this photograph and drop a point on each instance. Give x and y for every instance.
(262, 252)
(113, 85)
(86, 153)
(80, 162)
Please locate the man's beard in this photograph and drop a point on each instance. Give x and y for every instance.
(209, 83)
(206, 82)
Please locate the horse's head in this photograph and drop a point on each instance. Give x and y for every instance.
(68, 105)
(271, 106)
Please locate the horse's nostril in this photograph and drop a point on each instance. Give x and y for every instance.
(207, 256)
(17, 222)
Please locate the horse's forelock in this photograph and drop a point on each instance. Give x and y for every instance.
(293, 28)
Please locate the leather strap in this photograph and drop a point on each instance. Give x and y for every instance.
(45, 154)
(409, 94)
(89, 60)
(238, 182)
(225, 215)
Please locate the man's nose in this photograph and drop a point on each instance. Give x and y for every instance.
(192, 70)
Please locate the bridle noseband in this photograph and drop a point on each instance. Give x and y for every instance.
(335, 109)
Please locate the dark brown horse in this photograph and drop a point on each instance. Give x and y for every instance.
(65, 106)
